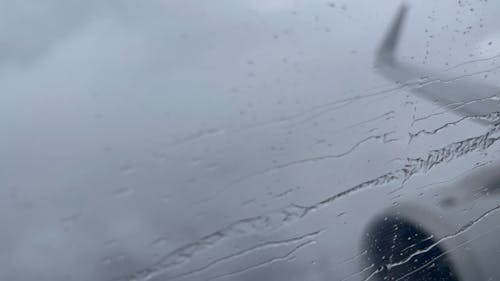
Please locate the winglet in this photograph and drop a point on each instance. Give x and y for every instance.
(385, 54)
(442, 89)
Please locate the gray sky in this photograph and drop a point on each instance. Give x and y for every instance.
(131, 129)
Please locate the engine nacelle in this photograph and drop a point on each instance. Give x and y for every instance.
(452, 238)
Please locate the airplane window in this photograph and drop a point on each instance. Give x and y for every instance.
(182, 140)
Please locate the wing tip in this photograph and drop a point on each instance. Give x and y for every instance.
(385, 54)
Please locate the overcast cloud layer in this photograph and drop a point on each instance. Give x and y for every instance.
(131, 129)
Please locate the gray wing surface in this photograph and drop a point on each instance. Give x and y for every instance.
(465, 95)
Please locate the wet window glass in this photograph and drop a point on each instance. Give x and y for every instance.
(249, 140)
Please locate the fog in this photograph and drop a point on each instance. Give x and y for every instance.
(199, 140)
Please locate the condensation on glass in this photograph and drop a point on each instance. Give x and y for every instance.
(249, 140)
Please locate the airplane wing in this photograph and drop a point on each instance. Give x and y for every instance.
(465, 95)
